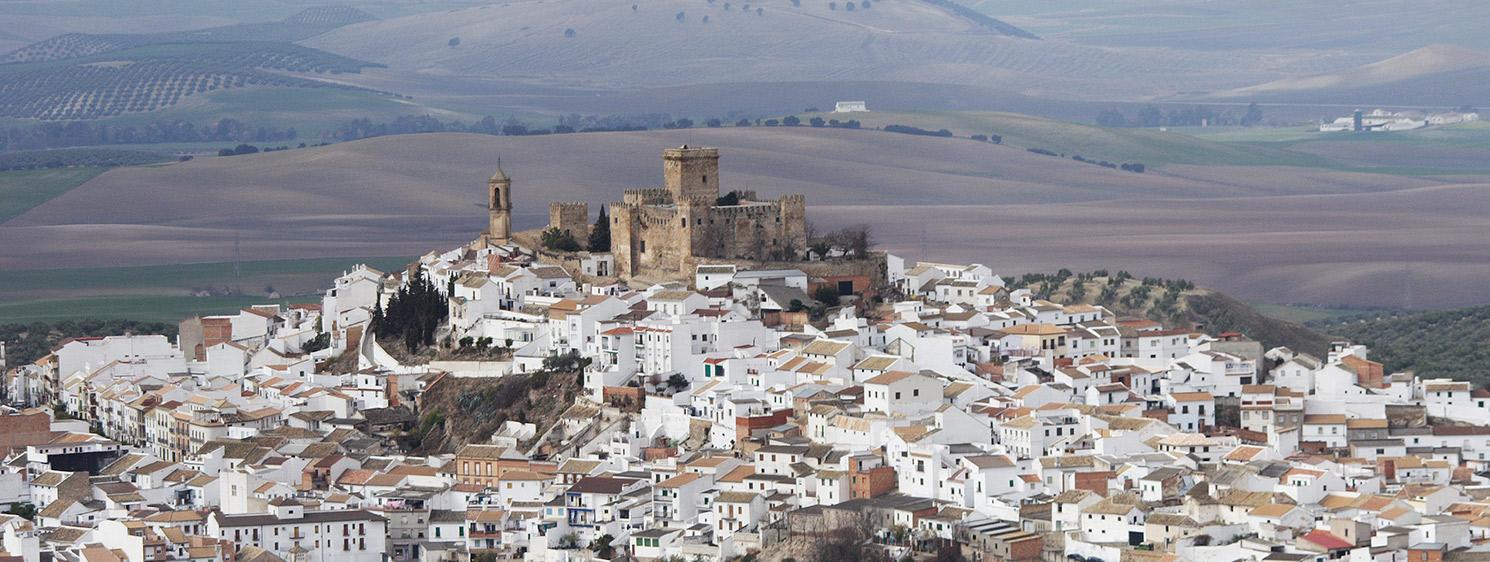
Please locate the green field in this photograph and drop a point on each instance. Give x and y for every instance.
(20, 190)
(142, 308)
(1256, 134)
(312, 112)
(1303, 313)
(1433, 151)
(164, 292)
(287, 276)
(1148, 146)
(1466, 135)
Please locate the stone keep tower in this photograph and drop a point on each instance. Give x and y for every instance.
(499, 208)
(691, 174)
(669, 230)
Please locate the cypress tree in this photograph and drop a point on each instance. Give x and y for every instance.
(600, 235)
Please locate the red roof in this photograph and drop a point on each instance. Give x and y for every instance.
(1327, 539)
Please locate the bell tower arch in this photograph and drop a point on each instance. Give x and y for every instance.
(499, 208)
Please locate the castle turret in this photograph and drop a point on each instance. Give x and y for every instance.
(691, 173)
(572, 217)
(499, 208)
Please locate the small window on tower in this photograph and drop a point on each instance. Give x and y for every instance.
(706, 179)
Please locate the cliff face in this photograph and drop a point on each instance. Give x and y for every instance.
(456, 411)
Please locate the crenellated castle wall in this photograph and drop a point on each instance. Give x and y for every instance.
(572, 217)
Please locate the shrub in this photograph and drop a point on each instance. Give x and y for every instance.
(826, 294)
(909, 130)
(559, 240)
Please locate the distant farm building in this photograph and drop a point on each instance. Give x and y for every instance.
(850, 107)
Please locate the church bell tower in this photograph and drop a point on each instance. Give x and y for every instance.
(499, 208)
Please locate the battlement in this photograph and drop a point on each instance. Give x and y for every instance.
(646, 196)
(691, 173)
(667, 230)
(568, 205)
(749, 210)
(686, 151)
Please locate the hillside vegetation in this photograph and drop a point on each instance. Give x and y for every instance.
(155, 76)
(1175, 302)
(457, 411)
(28, 342)
(1445, 343)
(76, 157)
(303, 25)
(79, 76)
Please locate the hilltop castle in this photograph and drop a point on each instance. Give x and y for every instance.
(671, 229)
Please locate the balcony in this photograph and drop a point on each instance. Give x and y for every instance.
(484, 532)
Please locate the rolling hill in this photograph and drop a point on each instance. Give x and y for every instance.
(80, 76)
(1268, 233)
(302, 25)
(1149, 146)
(600, 44)
(1437, 75)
